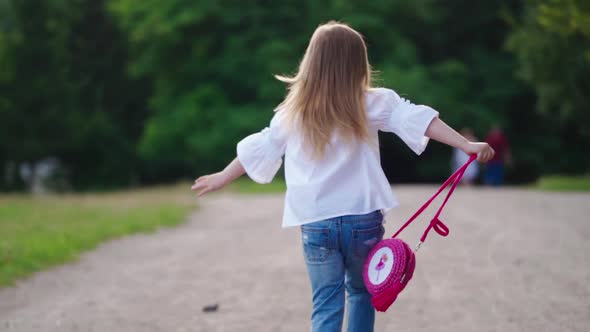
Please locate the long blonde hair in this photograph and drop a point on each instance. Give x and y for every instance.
(327, 93)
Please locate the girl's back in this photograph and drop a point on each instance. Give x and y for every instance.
(348, 178)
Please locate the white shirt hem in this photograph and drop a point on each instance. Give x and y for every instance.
(385, 210)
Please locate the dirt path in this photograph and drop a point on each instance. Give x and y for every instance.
(516, 260)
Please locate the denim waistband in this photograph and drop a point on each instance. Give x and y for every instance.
(354, 218)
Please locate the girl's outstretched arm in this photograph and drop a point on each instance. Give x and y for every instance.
(440, 131)
(215, 181)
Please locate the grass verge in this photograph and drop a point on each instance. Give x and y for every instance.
(39, 232)
(564, 183)
(247, 186)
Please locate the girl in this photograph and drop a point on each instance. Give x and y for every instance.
(336, 190)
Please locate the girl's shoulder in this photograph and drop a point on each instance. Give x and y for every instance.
(280, 124)
(381, 94)
(380, 101)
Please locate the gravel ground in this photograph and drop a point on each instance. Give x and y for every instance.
(516, 260)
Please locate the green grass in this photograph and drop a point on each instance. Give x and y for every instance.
(245, 185)
(39, 232)
(564, 183)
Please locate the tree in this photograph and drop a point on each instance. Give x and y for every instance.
(552, 44)
(211, 64)
(65, 91)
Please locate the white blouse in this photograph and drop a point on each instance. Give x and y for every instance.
(349, 179)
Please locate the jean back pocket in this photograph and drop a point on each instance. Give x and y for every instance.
(316, 244)
(366, 237)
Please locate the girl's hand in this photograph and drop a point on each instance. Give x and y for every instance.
(483, 150)
(216, 181)
(209, 183)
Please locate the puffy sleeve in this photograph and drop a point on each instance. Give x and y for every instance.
(406, 120)
(261, 153)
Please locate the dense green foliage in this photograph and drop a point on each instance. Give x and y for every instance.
(66, 93)
(552, 45)
(139, 91)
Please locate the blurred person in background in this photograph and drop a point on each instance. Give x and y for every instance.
(459, 158)
(337, 192)
(494, 173)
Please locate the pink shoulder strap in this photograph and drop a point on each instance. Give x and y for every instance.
(436, 223)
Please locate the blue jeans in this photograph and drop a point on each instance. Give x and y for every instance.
(494, 173)
(335, 250)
